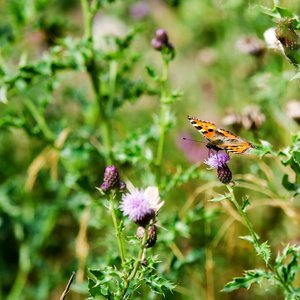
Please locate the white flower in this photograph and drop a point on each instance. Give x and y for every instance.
(152, 194)
(271, 39)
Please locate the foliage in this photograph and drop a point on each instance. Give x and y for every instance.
(76, 98)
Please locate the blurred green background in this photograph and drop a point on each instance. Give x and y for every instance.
(51, 221)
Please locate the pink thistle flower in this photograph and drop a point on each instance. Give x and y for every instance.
(217, 160)
(141, 206)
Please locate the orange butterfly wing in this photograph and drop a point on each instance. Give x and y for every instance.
(221, 139)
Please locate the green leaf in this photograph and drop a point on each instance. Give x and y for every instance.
(251, 276)
(263, 149)
(277, 12)
(292, 187)
(218, 199)
(247, 238)
(159, 284)
(287, 263)
(246, 203)
(297, 75)
(296, 157)
(264, 251)
(152, 73)
(96, 289)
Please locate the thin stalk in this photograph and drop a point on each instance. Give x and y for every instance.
(49, 135)
(288, 287)
(94, 74)
(162, 132)
(136, 265)
(24, 268)
(87, 18)
(242, 213)
(118, 233)
(113, 70)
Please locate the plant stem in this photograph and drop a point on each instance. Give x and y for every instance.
(94, 74)
(118, 233)
(49, 135)
(287, 286)
(234, 201)
(136, 265)
(164, 110)
(87, 18)
(113, 71)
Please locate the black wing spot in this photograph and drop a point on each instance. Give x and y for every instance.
(198, 127)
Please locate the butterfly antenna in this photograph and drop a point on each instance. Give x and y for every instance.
(187, 139)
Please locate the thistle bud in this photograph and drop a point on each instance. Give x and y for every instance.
(122, 186)
(144, 262)
(111, 180)
(224, 173)
(152, 236)
(105, 187)
(111, 176)
(157, 45)
(289, 40)
(140, 232)
(161, 35)
(160, 42)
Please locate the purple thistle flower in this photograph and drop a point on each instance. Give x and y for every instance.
(217, 160)
(135, 205)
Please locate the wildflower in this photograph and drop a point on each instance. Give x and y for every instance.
(216, 160)
(152, 194)
(141, 206)
(111, 180)
(139, 10)
(285, 39)
(220, 161)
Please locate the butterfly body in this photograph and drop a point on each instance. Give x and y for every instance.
(221, 139)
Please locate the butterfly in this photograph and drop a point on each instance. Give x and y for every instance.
(221, 139)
